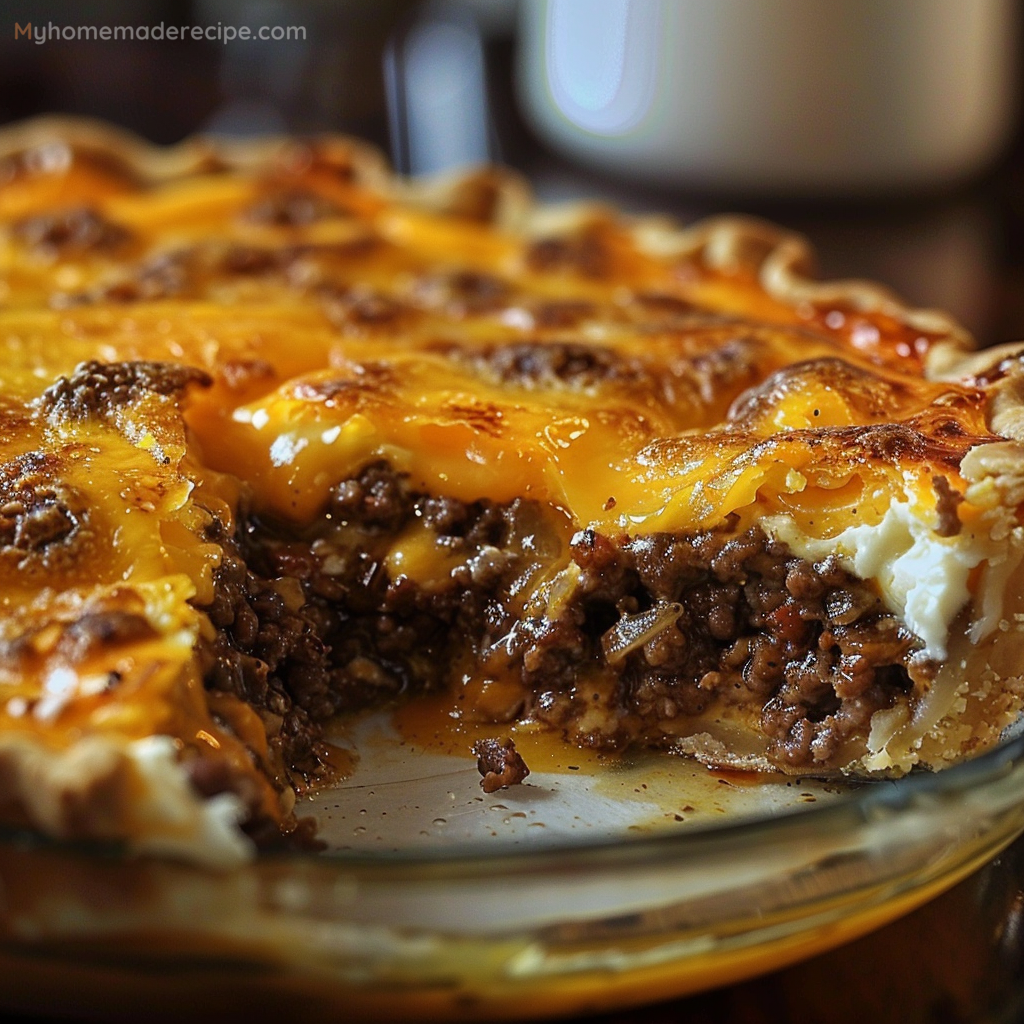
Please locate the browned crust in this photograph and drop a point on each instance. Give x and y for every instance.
(784, 262)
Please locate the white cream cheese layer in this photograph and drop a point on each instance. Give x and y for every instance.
(921, 576)
(174, 820)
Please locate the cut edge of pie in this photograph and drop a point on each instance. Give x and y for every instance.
(177, 294)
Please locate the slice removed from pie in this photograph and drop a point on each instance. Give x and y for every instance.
(284, 437)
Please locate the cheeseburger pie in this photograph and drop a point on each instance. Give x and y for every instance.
(284, 437)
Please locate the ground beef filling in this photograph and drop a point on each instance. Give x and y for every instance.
(651, 629)
(687, 622)
(312, 626)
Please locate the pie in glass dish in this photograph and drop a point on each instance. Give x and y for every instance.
(284, 436)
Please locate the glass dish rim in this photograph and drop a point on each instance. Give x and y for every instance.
(869, 799)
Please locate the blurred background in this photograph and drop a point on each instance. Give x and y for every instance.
(888, 132)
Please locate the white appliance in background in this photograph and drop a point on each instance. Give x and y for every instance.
(824, 97)
(436, 84)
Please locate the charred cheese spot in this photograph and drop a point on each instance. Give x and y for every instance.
(98, 390)
(553, 364)
(58, 158)
(548, 315)
(726, 366)
(164, 276)
(585, 253)
(41, 517)
(249, 259)
(70, 233)
(482, 416)
(661, 304)
(826, 393)
(365, 378)
(240, 374)
(363, 310)
(292, 208)
(102, 629)
(463, 293)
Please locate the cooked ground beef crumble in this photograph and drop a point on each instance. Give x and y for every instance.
(499, 763)
(652, 629)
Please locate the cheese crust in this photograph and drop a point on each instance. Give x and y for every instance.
(236, 376)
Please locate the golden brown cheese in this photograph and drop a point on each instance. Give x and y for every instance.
(630, 378)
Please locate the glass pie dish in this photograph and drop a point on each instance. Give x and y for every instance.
(590, 886)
